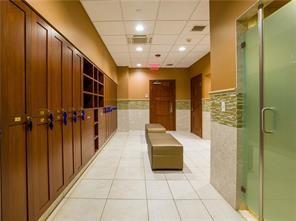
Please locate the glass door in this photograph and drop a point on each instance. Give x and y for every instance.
(279, 114)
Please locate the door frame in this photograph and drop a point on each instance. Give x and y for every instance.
(199, 77)
(174, 100)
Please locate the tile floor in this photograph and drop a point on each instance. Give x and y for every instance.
(120, 186)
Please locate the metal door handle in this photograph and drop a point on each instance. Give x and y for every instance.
(29, 123)
(50, 121)
(263, 111)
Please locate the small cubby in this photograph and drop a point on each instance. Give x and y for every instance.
(87, 68)
(96, 102)
(96, 74)
(87, 84)
(87, 100)
(101, 77)
(96, 87)
(101, 89)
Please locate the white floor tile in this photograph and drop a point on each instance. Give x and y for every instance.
(80, 209)
(128, 189)
(182, 189)
(222, 211)
(205, 190)
(130, 173)
(100, 173)
(192, 210)
(163, 210)
(157, 189)
(91, 189)
(125, 210)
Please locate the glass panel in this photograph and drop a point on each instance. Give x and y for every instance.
(251, 119)
(280, 93)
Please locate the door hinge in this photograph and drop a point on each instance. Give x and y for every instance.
(243, 189)
(243, 45)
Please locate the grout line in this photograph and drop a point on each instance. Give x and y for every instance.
(101, 217)
(174, 198)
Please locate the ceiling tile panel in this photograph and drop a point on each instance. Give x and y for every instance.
(169, 27)
(164, 39)
(162, 48)
(114, 39)
(118, 48)
(138, 10)
(202, 11)
(110, 28)
(190, 38)
(103, 10)
(176, 10)
(131, 27)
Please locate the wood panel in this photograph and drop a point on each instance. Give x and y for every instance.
(55, 106)
(38, 149)
(13, 20)
(88, 145)
(77, 73)
(102, 127)
(196, 105)
(163, 103)
(67, 100)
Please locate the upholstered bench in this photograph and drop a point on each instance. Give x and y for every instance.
(153, 128)
(164, 151)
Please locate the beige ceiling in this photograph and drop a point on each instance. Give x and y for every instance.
(168, 22)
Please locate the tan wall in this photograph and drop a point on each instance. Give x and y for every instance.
(71, 20)
(203, 66)
(123, 82)
(138, 82)
(223, 52)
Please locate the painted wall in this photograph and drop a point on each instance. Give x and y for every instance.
(70, 18)
(138, 82)
(133, 96)
(223, 15)
(203, 66)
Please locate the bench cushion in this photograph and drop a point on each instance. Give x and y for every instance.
(154, 128)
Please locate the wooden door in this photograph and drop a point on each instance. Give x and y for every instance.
(77, 74)
(55, 132)
(196, 105)
(38, 148)
(163, 103)
(67, 104)
(13, 21)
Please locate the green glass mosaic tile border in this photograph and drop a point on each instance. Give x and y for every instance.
(206, 105)
(144, 104)
(233, 114)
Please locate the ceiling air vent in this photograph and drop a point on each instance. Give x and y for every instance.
(198, 28)
(139, 39)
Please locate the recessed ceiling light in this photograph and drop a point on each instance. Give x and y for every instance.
(139, 65)
(182, 48)
(139, 28)
(139, 48)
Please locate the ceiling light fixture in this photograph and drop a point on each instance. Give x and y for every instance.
(139, 65)
(182, 48)
(139, 48)
(139, 28)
